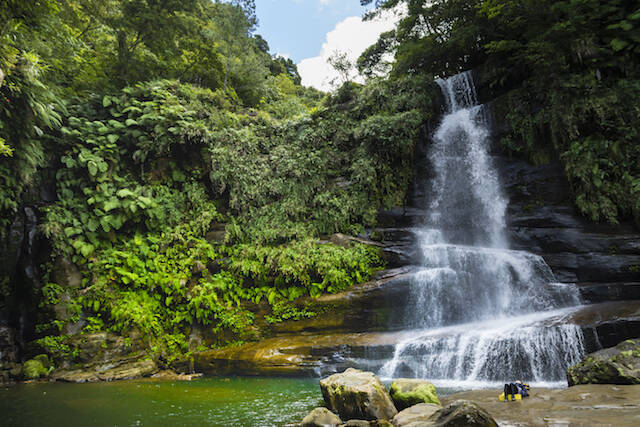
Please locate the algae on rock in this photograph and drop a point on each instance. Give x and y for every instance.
(356, 394)
(407, 392)
(36, 367)
(616, 365)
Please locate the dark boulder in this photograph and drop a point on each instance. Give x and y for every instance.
(461, 413)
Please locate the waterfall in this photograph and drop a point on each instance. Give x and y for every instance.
(478, 311)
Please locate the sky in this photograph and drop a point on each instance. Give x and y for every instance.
(310, 31)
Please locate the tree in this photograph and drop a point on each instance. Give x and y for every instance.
(343, 65)
(137, 30)
(236, 20)
(281, 65)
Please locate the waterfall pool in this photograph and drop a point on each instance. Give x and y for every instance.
(232, 401)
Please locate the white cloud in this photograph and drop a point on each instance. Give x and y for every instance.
(351, 36)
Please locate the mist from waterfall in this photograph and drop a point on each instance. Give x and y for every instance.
(480, 311)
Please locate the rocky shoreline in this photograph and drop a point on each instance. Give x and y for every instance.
(604, 390)
(592, 404)
(357, 398)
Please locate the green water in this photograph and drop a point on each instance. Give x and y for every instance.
(208, 401)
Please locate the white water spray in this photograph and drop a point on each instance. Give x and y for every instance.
(481, 312)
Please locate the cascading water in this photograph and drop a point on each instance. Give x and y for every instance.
(479, 311)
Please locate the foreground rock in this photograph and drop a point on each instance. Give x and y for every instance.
(356, 394)
(406, 392)
(359, 423)
(416, 414)
(462, 413)
(126, 370)
(617, 365)
(321, 417)
(582, 405)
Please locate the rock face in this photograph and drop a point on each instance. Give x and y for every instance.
(301, 354)
(356, 394)
(607, 324)
(407, 392)
(415, 415)
(365, 307)
(103, 347)
(325, 351)
(170, 375)
(8, 349)
(601, 259)
(617, 365)
(321, 417)
(66, 273)
(126, 370)
(462, 413)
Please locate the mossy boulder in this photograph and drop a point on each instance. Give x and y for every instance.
(406, 392)
(34, 369)
(321, 417)
(356, 394)
(44, 360)
(616, 365)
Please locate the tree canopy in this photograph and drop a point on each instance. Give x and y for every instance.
(568, 72)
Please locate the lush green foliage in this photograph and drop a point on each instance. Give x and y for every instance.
(28, 107)
(162, 284)
(571, 73)
(194, 176)
(302, 268)
(144, 174)
(283, 311)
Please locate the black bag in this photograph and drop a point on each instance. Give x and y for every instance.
(511, 389)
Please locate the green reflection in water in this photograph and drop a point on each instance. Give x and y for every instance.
(208, 401)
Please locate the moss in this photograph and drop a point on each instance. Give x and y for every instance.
(33, 369)
(44, 360)
(406, 394)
